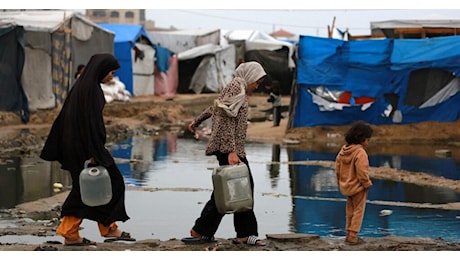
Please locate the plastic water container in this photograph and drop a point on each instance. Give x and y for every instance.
(232, 189)
(95, 186)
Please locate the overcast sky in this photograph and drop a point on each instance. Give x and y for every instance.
(306, 17)
(298, 21)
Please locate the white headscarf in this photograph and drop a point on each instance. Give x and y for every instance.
(250, 71)
(246, 73)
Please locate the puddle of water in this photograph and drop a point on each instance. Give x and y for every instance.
(288, 198)
(170, 214)
(28, 239)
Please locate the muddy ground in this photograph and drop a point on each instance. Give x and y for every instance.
(153, 115)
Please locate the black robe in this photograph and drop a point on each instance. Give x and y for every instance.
(78, 133)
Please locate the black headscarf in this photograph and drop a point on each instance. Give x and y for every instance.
(78, 133)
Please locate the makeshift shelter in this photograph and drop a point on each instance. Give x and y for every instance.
(54, 43)
(421, 28)
(198, 62)
(13, 97)
(135, 52)
(182, 40)
(380, 81)
(207, 68)
(276, 56)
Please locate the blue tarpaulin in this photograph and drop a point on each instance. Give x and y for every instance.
(411, 71)
(126, 36)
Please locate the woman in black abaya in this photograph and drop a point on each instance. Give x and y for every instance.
(78, 134)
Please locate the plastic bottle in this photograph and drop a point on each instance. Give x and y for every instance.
(95, 186)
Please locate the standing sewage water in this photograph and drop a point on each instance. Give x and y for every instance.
(168, 180)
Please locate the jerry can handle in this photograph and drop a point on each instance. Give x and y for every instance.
(86, 163)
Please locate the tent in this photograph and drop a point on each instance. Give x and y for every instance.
(276, 56)
(202, 64)
(207, 68)
(420, 28)
(13, 97)
(380, 81)
(54, 43)
(207, 58)
(135, 52)
(182, 40)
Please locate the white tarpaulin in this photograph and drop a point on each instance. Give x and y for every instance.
(215, 69)
(143, 71)
(256, 40)
(47, 80)
(182, 40)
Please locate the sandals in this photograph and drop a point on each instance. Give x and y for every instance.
(251, 240)
(125, 236)
(197, 240)
(84, 242)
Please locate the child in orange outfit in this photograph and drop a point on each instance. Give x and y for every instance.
(352, 169)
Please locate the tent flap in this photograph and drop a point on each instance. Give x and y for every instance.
(13, 97)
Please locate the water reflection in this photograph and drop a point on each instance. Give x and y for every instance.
(139, 151)
(136, 156)
(436, 166)
(446, 167)
(288, 197)
(274, 166)
(320, 208)
(27, 178)
(317, 205)
(326, 218)
(11, 183)
(319, 181)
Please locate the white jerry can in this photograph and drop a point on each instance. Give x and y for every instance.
(232, 189)
(95, 186)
